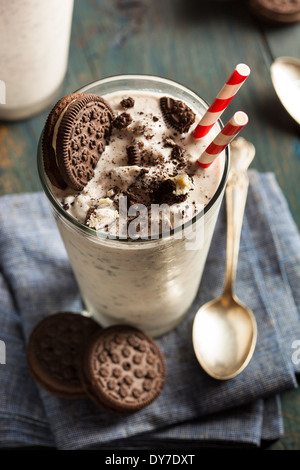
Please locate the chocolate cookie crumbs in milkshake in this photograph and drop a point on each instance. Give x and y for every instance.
(143, 157)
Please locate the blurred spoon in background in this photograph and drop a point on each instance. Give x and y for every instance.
(285, 75)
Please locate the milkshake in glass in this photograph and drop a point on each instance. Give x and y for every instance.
(34, 38)
(140, 272)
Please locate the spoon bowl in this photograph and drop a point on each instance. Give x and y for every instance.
(228, 348)
(285, 75)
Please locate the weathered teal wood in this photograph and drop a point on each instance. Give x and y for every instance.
(197, 43)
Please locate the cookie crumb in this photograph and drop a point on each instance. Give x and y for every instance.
(122, 121)
(127, 103)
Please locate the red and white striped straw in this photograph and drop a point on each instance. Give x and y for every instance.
(222, 100)
(225, 136)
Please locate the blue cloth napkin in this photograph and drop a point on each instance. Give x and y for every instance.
(36, 280)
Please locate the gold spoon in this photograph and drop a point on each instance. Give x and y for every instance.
(224, 329)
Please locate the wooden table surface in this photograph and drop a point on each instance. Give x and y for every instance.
(197, 43)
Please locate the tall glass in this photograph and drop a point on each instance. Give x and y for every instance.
(147, 283)
(34, 49)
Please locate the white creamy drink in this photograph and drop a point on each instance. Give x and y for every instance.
(34, 38)
(141, 272)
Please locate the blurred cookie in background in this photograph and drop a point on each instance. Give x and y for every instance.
(276, 11)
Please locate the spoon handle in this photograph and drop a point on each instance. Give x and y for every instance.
(236, 195)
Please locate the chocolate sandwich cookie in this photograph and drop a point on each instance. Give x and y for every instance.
(277, 11)
(75, 135)
(177, 114)
(133, 154)
(49, 152)
(123, 369)
(54, 352)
